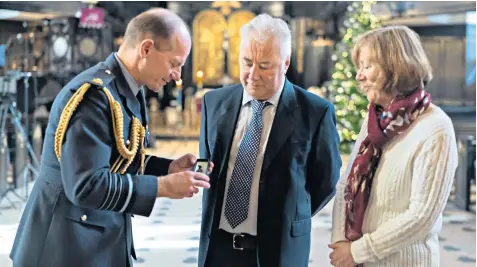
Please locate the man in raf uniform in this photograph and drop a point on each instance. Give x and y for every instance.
(94, 171)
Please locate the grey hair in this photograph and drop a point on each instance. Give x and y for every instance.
(264, 27)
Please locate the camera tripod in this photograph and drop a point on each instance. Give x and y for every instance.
(8, 109)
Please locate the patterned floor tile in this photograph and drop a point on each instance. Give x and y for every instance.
(170, 237)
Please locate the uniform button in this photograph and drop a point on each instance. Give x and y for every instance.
(108, 72)
(84, 217)
(128, 142)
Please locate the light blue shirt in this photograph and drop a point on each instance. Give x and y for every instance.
(135, 88)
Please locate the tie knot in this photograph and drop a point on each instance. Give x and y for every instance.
(258, 105)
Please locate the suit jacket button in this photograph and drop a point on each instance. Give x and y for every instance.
(84, 217)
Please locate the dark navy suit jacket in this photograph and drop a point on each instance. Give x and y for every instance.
(79, 213)
(300, 170)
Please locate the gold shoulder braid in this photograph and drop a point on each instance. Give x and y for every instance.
(137, 134)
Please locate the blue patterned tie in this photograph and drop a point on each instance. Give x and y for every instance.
(238, 194)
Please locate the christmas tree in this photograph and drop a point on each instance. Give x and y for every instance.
(350, 104)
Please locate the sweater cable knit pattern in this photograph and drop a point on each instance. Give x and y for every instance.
(409, 192)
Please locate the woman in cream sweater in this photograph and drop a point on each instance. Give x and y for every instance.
(389, 201)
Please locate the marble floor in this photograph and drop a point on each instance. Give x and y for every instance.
(170, 236)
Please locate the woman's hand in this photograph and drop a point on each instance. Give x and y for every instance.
(341, 255)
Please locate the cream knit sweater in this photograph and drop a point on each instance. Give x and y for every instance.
(409, 192)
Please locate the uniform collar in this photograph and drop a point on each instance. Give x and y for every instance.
(135, 88)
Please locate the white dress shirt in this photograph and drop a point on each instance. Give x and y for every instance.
(249, 226)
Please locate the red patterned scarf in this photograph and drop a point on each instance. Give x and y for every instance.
(383, 125)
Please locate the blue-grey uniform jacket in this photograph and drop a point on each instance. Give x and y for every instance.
(79, 211)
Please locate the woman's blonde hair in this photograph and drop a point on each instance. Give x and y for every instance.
(398, 52)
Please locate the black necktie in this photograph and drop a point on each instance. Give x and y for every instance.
(142, 102)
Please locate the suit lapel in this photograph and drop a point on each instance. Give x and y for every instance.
(132, 103)
(227, 119)
(282, 125)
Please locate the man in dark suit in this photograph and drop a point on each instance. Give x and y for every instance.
(275, 149)
(94, 171)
